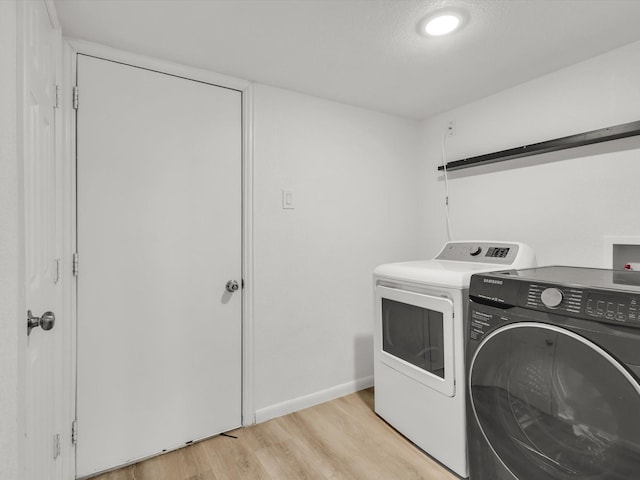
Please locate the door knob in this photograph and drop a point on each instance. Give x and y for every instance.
(46, 321)
(232, 286)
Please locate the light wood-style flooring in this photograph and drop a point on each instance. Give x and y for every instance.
(341, 439)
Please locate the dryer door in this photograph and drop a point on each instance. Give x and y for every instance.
(552, 405)
(415, 336)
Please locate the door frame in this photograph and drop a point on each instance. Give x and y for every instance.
(72, 48)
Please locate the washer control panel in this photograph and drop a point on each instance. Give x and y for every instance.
(564, 300)
(597, 304)
(613, 308)
(604, 305)
(585, 302)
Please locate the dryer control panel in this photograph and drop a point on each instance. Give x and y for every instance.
(500, 253)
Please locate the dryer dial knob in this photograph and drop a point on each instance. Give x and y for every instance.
(551, 297)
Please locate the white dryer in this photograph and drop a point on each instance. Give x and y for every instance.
(419, 340)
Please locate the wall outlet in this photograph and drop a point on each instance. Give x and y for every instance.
(451, 128)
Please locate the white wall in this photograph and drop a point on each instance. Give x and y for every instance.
(9, 246)
(356, 177)
(563, 204)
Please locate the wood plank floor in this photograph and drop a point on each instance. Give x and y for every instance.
(341, 439)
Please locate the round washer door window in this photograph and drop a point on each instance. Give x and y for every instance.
(554, 406)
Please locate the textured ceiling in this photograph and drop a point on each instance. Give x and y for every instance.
(362, 52)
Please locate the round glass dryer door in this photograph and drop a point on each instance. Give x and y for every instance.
(554, 406)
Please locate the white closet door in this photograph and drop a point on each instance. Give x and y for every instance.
(45, 435)
(159, 236)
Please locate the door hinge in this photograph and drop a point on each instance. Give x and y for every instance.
(74, 432)
(56, 271)
(75, 264)
(56, 446)
(57, 94)
(76, 96)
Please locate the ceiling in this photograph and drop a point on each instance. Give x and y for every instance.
(362, 52)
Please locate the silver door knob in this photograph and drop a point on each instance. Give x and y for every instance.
(46, 321)
(232, 286)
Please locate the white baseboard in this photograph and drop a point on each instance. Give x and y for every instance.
(306, 401)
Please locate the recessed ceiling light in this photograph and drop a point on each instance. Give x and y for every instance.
(441, 23)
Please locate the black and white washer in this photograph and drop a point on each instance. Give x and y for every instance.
(553, 364)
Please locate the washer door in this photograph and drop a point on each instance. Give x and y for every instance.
(553, 405)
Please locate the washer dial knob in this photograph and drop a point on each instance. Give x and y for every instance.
(475, 251)
(551, 297)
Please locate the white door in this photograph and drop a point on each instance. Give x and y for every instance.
(159, 237)
(42, 217)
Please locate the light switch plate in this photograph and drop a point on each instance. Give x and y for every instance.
(287, 199)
